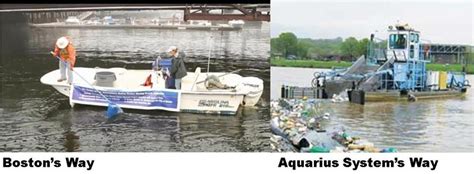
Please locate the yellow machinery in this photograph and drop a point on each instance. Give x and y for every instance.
(443, 77)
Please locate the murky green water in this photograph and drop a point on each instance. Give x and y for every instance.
(35, 117)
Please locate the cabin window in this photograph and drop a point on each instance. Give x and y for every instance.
(398, 41)
(414, 38)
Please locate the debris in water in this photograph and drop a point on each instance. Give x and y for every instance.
(342, 97)
(296, 124)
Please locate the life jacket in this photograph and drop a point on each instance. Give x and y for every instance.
(67, 54)
(63, 53)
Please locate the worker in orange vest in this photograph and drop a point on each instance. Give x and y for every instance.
(66, 51)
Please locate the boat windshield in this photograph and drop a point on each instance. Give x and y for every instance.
(397, 41)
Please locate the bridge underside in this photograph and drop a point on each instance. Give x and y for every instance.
(251, 17)
(249, 12)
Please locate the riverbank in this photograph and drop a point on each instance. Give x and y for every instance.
(343, 64)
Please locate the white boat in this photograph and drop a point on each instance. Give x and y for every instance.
(125, 89)
(236, 23)
(72, 20)
(108, 20)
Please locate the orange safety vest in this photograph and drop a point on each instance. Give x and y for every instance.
(67, 54)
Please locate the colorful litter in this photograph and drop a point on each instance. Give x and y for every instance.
(297, 127)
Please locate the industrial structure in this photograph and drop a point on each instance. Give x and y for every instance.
(43, 13)
(447, 53)
(397, 72)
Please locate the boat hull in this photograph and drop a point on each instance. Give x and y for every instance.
(195, 100)
(226, 104)
(397, 96)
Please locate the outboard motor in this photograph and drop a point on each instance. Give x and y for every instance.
(105, 78)
(253, 87)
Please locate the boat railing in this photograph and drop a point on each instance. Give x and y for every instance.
(417, 74)
(387, 82)
(376, 51)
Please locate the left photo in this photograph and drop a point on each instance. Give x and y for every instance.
(159, 78)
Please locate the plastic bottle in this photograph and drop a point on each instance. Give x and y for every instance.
(389, 150)
(318, 149)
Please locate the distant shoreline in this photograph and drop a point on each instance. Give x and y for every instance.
(344, 64)
(144, 26)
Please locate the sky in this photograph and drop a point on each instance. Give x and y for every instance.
(444, 22)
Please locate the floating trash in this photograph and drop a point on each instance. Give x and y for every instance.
(342, 97)
(296, 124)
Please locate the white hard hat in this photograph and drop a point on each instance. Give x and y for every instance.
(172, 48)
(62, 42)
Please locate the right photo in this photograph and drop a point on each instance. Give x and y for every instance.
(372, 76)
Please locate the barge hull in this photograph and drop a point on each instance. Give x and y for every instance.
(397, 96)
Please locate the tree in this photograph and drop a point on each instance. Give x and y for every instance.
(302, 48)
(288, 43)
(362, 47)
(276, 46)
(349, 47)
(324, 48)
(383, 44)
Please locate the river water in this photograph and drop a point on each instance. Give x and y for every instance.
(442, 125)
(35, 117)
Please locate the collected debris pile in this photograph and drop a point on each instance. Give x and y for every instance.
(296, 124)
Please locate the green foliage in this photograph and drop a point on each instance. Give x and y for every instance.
(350, 47)
(331, 64)
(470, 55)
(276, 45)
(286, 44)
(362, 47)
(324, 47)
(308, 63)
(303, 47)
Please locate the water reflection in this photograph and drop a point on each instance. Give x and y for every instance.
(35, 117)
